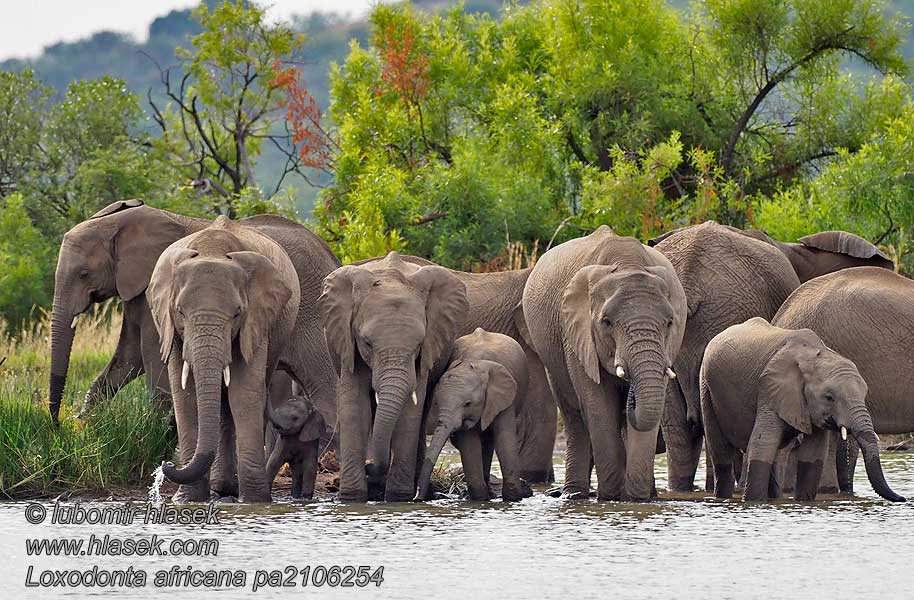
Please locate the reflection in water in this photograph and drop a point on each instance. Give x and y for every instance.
(540, 547)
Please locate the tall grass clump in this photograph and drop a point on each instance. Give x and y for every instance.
(119, 443)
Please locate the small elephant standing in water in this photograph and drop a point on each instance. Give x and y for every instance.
(298, 427)
(474, 404)
(763, 388)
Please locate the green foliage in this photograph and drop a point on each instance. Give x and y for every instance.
(26, 267)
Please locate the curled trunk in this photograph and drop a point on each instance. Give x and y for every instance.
(396, 383)
(862, 430)
(647, 392)
(61, 345)
(431, 457)
(207, 364)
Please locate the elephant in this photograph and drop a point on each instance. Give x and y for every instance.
(114, 253)
(494, 305)
(763, 387)
(298, 427)
(728, 278)
(390, 326)
(225, 301)
(474, 405)
(607, 316)
(867, 315)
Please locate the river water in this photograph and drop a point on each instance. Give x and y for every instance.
(542, 547)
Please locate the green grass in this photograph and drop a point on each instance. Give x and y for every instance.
(119, 444)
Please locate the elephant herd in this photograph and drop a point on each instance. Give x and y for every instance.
(706, 335)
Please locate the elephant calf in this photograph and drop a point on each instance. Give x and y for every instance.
(473, 404)
(763, 388)
(298, 428)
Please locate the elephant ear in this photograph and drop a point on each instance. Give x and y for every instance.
(781, 386)
(842, 242)
(160, 294)
(117, 207)
(576, 318)
(267, 294)
(501, 390)
(337, 303)
(313, 428)
(137, 243)
(446, 307)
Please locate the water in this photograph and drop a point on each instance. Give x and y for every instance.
(541, 547)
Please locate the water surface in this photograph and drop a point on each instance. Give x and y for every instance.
(541, 547)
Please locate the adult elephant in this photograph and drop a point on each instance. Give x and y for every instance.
(607, 315)
(113, 253)
(225, 301)
(867, 315)
(494, 306)
(728, 278)
(390, 326)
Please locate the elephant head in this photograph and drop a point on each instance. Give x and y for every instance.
(811, 385)
(399, 320)
(470, 393)
(630, 323)
(297, 417)
(111, 254)
(203, 305)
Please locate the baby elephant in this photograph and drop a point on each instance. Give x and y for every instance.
(474, 404)
(298, 427)
(764, 388)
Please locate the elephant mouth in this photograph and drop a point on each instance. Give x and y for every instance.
(830, 424)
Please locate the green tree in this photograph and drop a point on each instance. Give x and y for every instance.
(26, 264)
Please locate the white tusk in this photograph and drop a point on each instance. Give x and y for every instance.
(73, 324)
(670, 373)
(844, 433)
(184, 373)
(227, 375)
(620, 372)
(877, 437)
(415, 399)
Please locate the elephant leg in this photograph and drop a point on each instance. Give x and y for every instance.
(223, 473)
(829, 482)
(470, 446)
(401, 479)
(298, 475)
(811, 456)
(740, 467)
(763, 447)
(488, 450)
(355, 426)
(506, 446)
(605, 418)
(246, 401)
(156, 372)
(537, 424)
(722, 455)
(186, 419)
(309, 469)
(126, 363)
(578, 455)
(683, 441)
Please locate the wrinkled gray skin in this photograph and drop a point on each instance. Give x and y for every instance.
(593, 305)
(494, 305)
(728, 278)
(298, 427)
(114, 253)
(390, 326)
(763, 388)
(225, 302)
(474, 405)
(867, 315)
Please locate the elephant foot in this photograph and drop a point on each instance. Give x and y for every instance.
(399, 495)
(216, 498)
(682, 483)
(538, 476)
(830, 489)
(258, 498)
(555, 492)
(847, 489)
(352, 497)
(224, 488)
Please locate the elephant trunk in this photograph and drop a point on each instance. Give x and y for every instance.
(862, 430)
(396, 384)
(62, 334)
(647, 392)
(442, 432)
(845, 477)
(282, 423)
(207, 362)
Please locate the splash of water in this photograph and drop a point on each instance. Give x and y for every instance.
(155, 490)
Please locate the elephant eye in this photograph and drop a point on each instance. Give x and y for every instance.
(83, 274)
(669, 324)
(606, 322)
(237, 312)
(829, 397)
